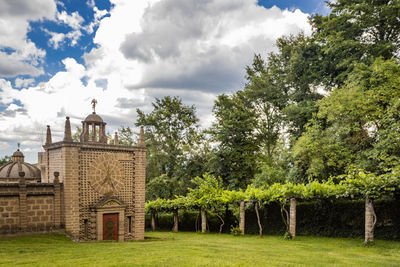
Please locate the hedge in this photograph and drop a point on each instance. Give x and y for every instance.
(338, 218)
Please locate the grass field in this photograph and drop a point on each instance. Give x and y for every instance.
(195, 249)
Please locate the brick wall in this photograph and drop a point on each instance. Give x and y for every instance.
(9, 214)
(40, 212)
(30, 207)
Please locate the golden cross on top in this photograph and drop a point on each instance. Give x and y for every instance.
(94, 102)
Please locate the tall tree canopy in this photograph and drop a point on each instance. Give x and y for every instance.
(235, 157)
(356, 31)
(172, 133)
(357, 125)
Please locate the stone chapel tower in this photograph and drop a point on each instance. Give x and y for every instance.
(104, 184)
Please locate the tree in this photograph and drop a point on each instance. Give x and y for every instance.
(125, 136)
(266, 101)
(208, 194)
(235, 158)
(76, 137)
(161, 187)
(357, 125)
(172, 131)
(356, 31)
(294, 75)
(5, 159)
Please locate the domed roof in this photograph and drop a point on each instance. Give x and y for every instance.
(18, 154)
(94, 118)
(11, 169)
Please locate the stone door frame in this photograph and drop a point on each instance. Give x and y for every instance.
(110, 205)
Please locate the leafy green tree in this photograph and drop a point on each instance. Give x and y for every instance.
(125, 136)
(76, 137)
(172, 131)
(235, 158)
(5, 159)
(356, 31)
(266, 101)
(356, 125)
(161, 187)
(294, 76)
(209, 194)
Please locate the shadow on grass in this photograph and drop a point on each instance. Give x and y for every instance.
(154, 238)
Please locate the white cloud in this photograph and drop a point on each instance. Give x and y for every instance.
(14, 24)
(206, 44)
(11, 66)
(74, 21)
(19, 82)
(147, 49)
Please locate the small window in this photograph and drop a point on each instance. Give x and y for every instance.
(130, 224)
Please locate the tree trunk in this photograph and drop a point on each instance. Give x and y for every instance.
(242, 217)
(370, 220)
(258, 220)
(222, 222)
(175, 229)
(292, 221)
(285, 217)
(153, 221)
(203, 220)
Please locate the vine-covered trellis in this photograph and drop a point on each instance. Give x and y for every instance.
(210, 195)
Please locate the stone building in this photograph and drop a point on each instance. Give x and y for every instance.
(90, 189)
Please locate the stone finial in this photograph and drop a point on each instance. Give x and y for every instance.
(56, 174)
(48, 136)
(67, 131)
(21, 178)
(142, 142)
(116, 141)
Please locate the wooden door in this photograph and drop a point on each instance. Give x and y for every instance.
(110, 226)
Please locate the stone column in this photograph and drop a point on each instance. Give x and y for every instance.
(139, 193)
(292, 218)
(242, 217)
(175, 229)
(153, 221)
(203, 220)
(57, 201)
(103, 133)
(22, 202)
(85, 132)
(369, 221)
(71, 190)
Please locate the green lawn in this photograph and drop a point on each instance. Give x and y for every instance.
(195, 249)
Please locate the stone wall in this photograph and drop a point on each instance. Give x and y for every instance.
(30, 208)
(9, 214)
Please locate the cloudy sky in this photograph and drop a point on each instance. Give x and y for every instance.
(55, 56)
